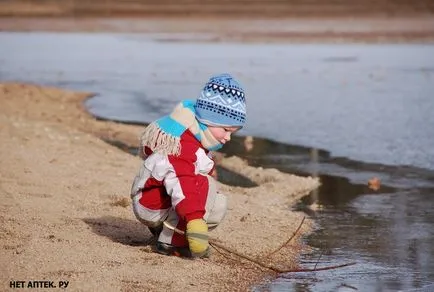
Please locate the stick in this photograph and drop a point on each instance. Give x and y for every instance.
(213, 243)
(277, 270)
(171, 227)
(320, 269)
(320, 255)
(246, 257)
(288, 241)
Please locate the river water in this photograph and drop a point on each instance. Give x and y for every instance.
(344, 112)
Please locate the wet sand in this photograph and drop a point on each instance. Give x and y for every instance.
(65, 212)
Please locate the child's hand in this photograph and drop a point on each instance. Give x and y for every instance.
(197, 236)
(214, 174)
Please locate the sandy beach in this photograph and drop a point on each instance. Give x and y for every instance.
(66, 215)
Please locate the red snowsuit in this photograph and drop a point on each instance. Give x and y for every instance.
(177, 189)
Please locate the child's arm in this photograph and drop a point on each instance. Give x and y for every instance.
(189, 192)
(186, 189)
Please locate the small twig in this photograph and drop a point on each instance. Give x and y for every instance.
(226, 256)
(222, 254)
(288, 241)
(317, 261)
(348, 286)
(246, 257)
(171, 227)
(320, 269)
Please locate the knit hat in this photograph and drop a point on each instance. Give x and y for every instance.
(222, 102)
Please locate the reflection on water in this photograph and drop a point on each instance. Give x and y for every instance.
(389, 232)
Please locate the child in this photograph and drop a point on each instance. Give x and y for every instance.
(174, 194)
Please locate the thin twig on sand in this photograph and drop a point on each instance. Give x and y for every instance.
(288, 241)
(246, 257)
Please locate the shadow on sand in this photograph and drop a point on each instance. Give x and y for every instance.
(125, 231)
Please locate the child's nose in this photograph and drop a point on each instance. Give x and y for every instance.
(228, 137)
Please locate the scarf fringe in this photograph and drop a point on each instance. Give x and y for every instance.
(164, 135)
(160, 142)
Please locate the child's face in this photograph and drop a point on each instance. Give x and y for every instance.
(222, 134)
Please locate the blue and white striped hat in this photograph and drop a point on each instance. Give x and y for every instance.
(222, 102)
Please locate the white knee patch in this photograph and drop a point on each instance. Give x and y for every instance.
(149, 217)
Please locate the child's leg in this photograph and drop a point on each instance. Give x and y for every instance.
(216, 205)
(151, 207)
(168, 235)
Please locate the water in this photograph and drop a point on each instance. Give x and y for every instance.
(367, 107)
(366, 102)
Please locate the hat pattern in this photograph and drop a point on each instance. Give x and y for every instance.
(222, 102)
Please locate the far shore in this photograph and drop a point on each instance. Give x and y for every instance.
(343, 29)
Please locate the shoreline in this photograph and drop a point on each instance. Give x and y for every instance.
(367, 29)
(64, 215)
